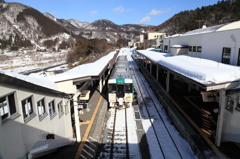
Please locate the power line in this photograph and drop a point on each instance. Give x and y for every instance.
(199, 21)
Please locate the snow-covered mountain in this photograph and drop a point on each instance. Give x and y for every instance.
(104, 29)
(23, 25)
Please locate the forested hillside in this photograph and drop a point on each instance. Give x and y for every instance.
(224, 11)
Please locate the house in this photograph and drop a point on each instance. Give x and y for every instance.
(155, 39)
(34, 117)
(219, 43)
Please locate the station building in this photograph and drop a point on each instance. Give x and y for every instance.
(37, 111)
(35, 117)
(219, 43)
(217, 46)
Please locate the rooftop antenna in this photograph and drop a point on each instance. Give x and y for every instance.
(199, 21)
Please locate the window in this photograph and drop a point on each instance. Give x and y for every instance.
(165, 48)
(60, 108)
(41, 107)
(194, 49)
(226, 55)
(51, 108)
(66, 107)
(230, 104)
(189, 48)
(7, 106)
(199, 49)
(238, 63)
(128, 88)
(112, 88)
(27, 107)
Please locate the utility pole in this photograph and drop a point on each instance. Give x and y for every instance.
(199, 21)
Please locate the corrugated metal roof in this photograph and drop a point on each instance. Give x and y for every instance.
(203, 30)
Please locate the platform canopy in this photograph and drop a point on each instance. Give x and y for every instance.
(203, 71)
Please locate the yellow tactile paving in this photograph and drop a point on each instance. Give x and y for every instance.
(84, 139)
(86, 122)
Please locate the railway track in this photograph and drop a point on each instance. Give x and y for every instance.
(115, 136)
(158, 128)
(164, 141)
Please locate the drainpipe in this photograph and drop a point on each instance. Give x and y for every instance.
(77, 125)
(233, 50)
(220, 117)
(100, 84)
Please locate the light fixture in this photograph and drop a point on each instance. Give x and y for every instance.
(216, 110)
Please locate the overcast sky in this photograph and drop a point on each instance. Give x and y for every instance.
(150, 12)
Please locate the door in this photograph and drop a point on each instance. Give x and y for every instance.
(120, 90)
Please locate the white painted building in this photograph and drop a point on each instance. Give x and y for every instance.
(34, 117)
(220, 43)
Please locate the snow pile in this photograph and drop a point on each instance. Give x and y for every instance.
(202, 70)
(41, 82)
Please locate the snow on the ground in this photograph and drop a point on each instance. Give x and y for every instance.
(34, 61)
(201, 70)
(164, 139)
(132, 134)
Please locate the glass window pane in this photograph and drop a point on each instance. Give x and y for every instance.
(194, 48)
(128, 88)
(226, 55)
(112, 88)
(4, 108)
(199, 49)
(189, 48)
(41, 107)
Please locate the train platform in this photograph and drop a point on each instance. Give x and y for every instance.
(195, 115)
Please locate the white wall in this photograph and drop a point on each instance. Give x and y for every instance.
(67, 86)
(212, 44)
(17, 137)
(231, 128)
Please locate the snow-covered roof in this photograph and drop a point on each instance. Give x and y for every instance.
(203, 30)
(40, 82)
(84, 70)
(154, 56)
(222, 27)
(150, 48)
(200, 70)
